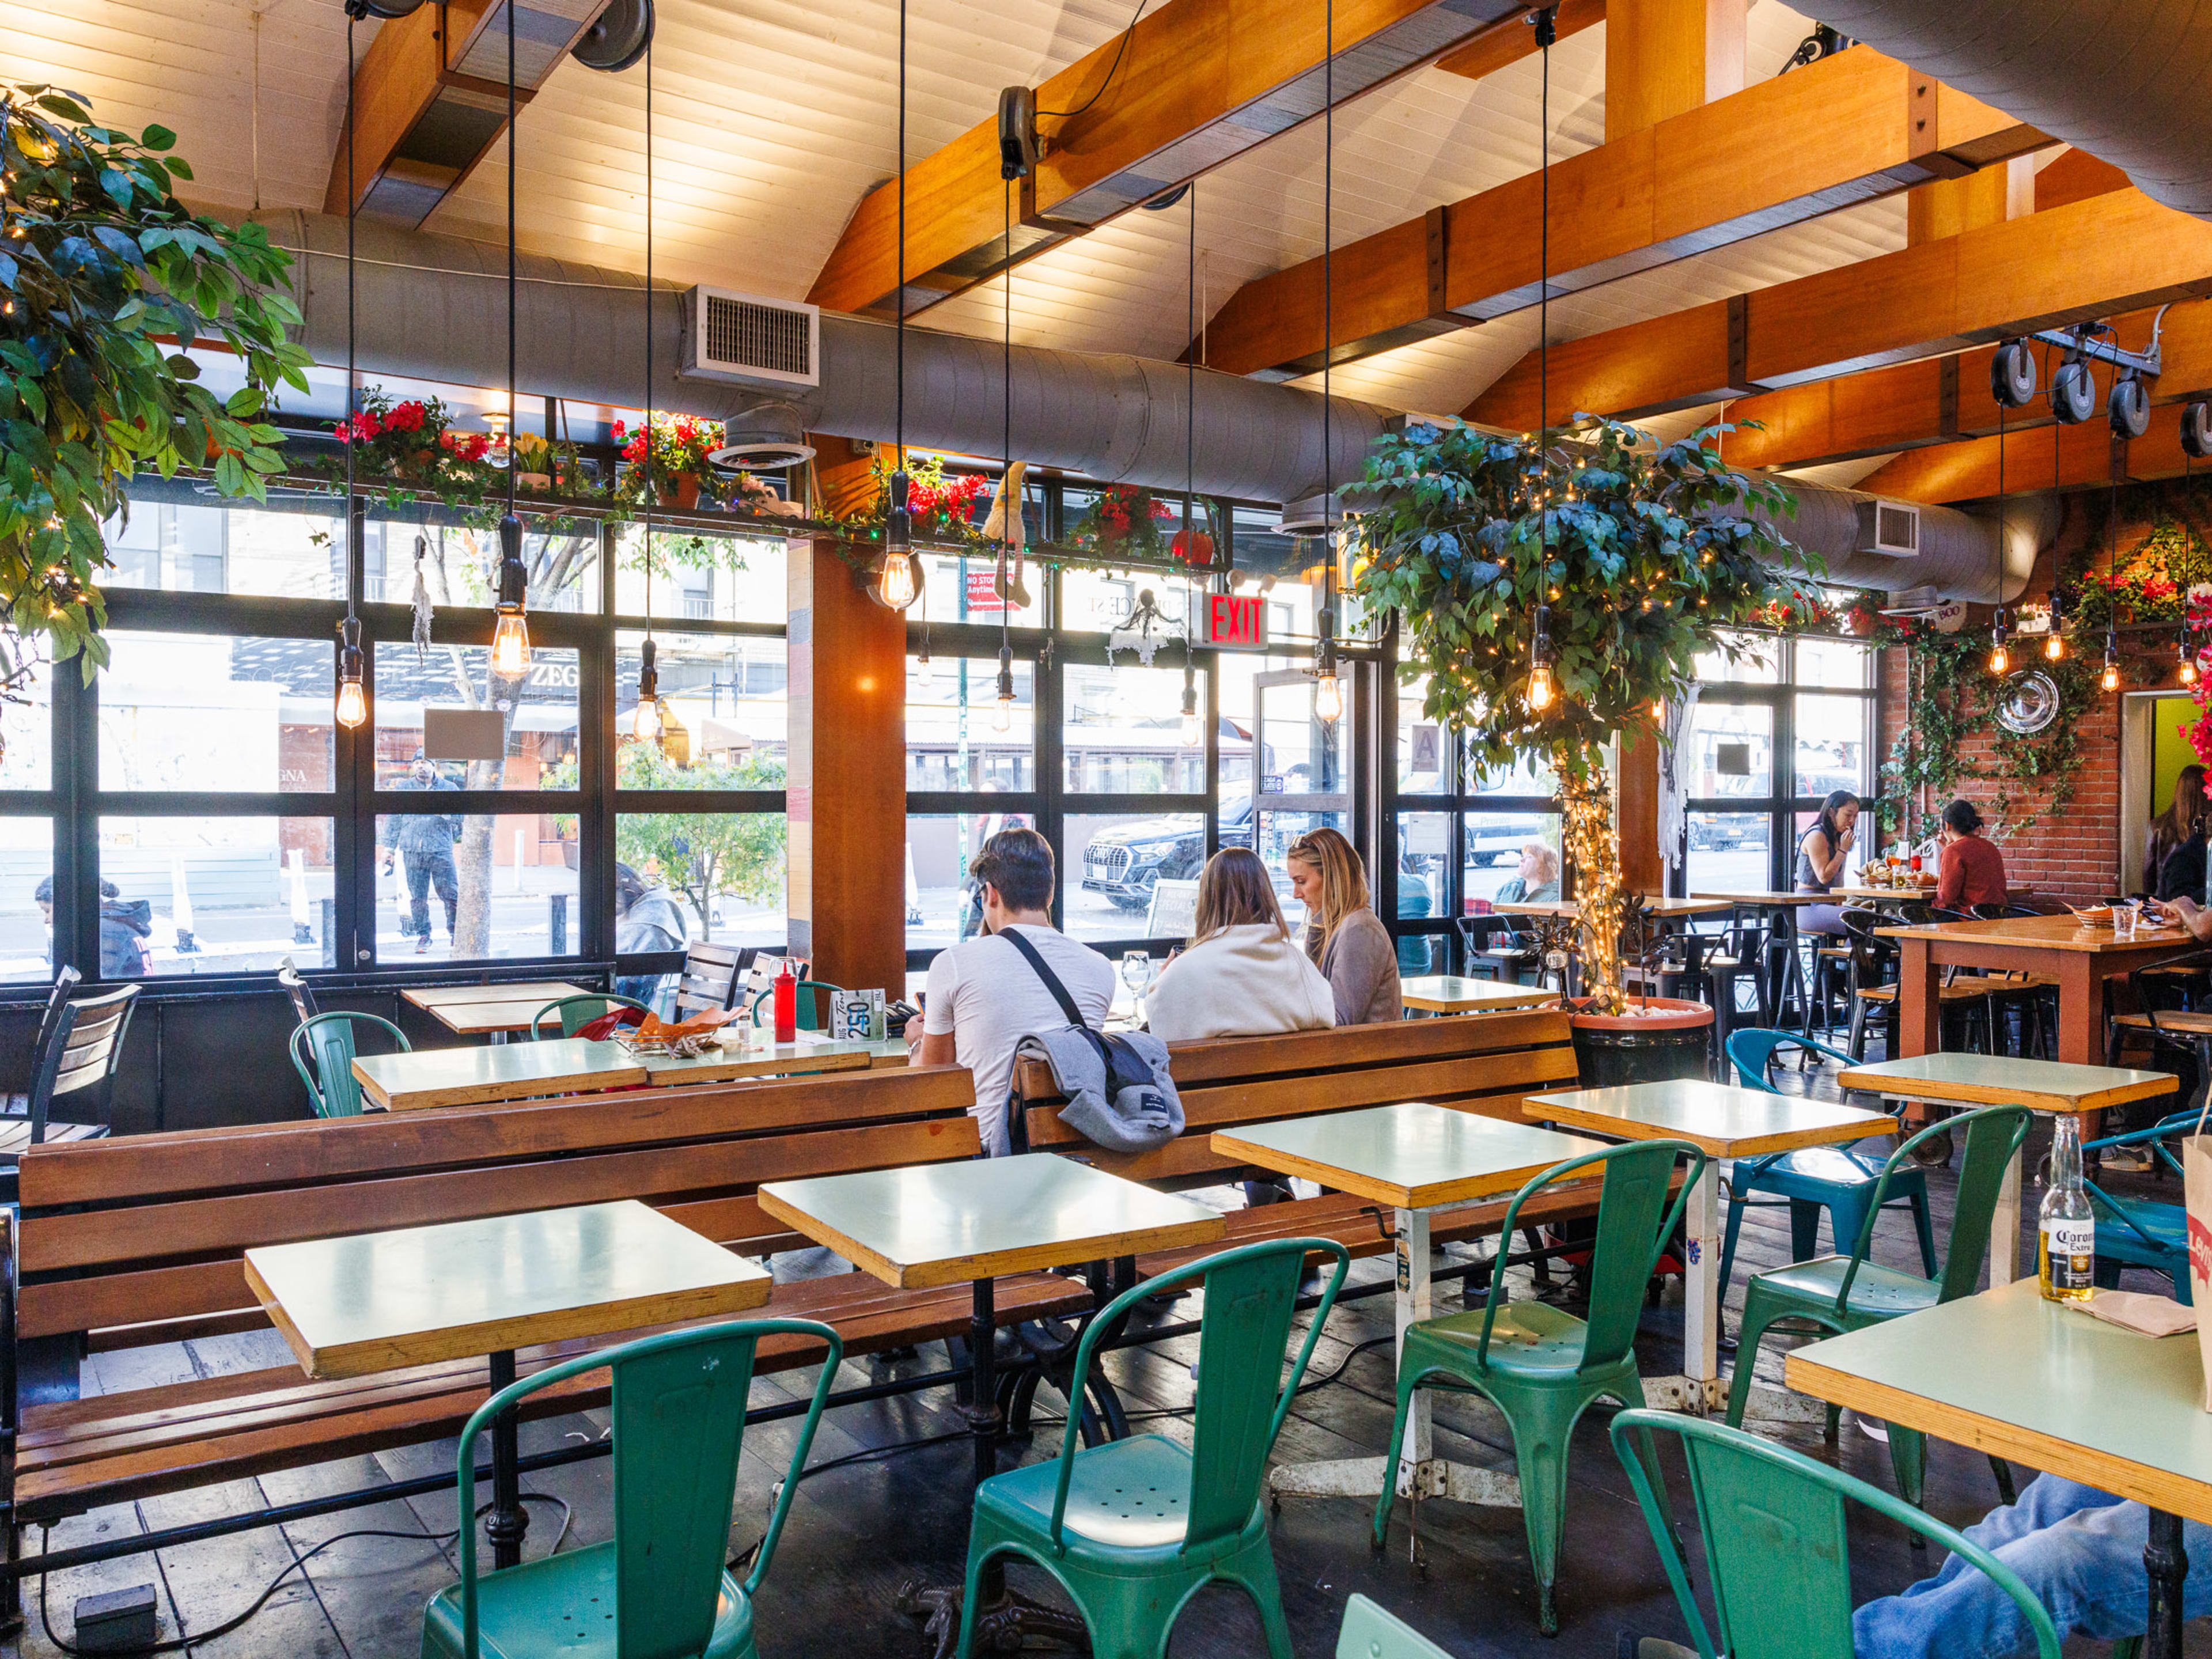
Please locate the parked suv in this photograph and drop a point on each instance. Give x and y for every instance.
(1125, 861)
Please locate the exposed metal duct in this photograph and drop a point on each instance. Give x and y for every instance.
(2129, 81)
(434, 307)
(1956, 552)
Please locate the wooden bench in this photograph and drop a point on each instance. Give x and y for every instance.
(139, 1241)
(1483, 1063)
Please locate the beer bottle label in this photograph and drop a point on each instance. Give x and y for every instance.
(2070, 1248)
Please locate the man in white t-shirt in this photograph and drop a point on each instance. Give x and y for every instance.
(983, 996)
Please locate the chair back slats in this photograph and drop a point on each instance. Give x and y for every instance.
(81, 1053)
(679, 1424)
(1632, 1211)
(66, 980)
(1776, 1550)
(323, 1050)
(713, 976)
(1248, 1303)
(303, 999)
(1776, 1538)
(1993, 1136)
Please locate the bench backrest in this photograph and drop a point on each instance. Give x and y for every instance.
(151, 1229)
(1486, 1063)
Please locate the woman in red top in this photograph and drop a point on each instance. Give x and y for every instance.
(1972, 870)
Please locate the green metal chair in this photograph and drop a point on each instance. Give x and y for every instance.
(328, 1039)
(1839, 1293)
(1776, 1548)
(2143, 1232)
(658, 1587)
(1132, 1528)
(1839, 1179)
(1369, 1632)
(1551, 1367)
(813, 1016)
(576, 1012)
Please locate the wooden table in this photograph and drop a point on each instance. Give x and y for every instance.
(776, 1059)
(464, 1076)
(1447, 994)
(2081, 959)
(491, 1011)
(1761, 898)
(2010, 1374)
(378, 1302)
(945, 1223)
(1667, 909)
(1416, 1159)
(2041, 1085)
(1723, 1121)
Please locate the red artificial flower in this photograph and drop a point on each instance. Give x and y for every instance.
(1160, 510)
(405, 418)
(620, 431)
(475, 446)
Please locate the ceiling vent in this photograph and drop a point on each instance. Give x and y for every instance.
(1892, 528)
(742, 337)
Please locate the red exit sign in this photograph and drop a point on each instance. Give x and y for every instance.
(1237, 622)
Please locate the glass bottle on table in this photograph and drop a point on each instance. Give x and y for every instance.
(2066, 1228)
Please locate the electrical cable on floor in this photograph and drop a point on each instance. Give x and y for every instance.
(178, 1643)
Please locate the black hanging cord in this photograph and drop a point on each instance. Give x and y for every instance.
(899, 396)
(1190, 434)
(646, 436)
(354, 561)
(1112, 70)
(1010, 511)
(512, 287)
(1547, 33)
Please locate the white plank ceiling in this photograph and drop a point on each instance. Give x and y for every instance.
(773, 116)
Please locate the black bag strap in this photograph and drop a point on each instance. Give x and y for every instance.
(1051, 980)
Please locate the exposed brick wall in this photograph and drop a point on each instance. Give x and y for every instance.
(2074, 853)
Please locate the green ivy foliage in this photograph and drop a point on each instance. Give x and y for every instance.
(105, 279)
(1645, 553)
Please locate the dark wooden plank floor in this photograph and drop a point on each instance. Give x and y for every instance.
(861, 1530)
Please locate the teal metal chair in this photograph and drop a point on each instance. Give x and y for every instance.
(324, 1048)
(1837, 1179)
(813, 1008)
(1132, 1528)
(575, 1012)
(1369, 1632)
(658, 1587)
(1540, 1366)
(1777, 1545)
(1839, 1293)
(2143, 1232)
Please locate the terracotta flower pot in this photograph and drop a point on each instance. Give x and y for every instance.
(538, 481)
(681, 492)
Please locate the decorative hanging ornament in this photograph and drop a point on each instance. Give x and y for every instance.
(1007, 529)
(420, 601)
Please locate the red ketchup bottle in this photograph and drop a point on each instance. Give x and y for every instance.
(787, 1006)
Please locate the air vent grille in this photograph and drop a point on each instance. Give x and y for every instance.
(1889, 527)
(740, 336)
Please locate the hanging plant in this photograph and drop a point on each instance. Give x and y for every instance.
(1126, 521)
(670, 460)
(105, 279)
(1643, 557)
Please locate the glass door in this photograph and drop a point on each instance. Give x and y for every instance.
(1300, 769)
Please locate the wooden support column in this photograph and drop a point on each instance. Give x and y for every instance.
(1663, 57)
(1636, 817)
(846, 788)
(1951, 207)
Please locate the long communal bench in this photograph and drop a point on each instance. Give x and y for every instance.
(1483, 1063)
(139, 1241)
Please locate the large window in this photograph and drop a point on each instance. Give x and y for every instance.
(218, 821)
(1777, 727)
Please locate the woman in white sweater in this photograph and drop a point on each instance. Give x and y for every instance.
(1242, 974)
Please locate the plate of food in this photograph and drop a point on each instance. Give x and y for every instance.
(2096, 914)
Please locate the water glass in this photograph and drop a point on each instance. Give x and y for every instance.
(1136, 971)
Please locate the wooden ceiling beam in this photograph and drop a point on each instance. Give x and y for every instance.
(2094, 259)
(1199, 82)
(431, 99)
(1848, 128)
(1501, 48)
(1667, 57)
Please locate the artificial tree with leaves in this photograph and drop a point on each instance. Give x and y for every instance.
(105, 279)
(1613, 561)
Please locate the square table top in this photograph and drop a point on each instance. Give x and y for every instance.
(541, 992)
(376, 1301)
(1412, 1155)
(1763, 896)
(512, 1070)
(1719, 1119)
(2004, 1080)
(951, 1224)
(2068, 933)
(2007, 1373)
(1449, 993)
(1572, 910)
(482, 1018)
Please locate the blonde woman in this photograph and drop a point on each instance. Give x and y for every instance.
(1242, 974)
(1343, 933)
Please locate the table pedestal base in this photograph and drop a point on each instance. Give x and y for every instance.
(509, 1519)
(1008, 1623)
(2167, 1564)
(1362, 1477)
